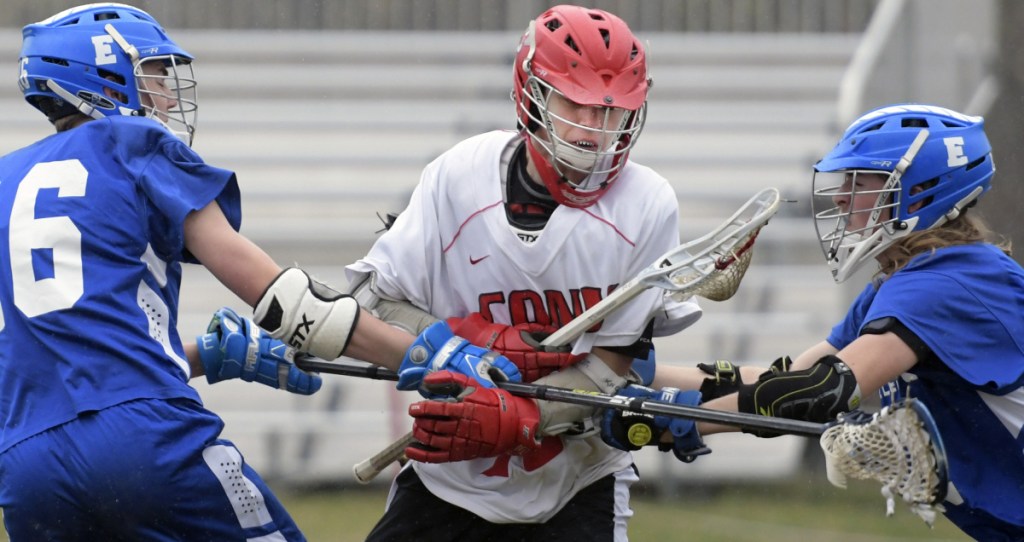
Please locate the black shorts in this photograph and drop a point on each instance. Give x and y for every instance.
(414, 513)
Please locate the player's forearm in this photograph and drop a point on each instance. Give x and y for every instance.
(194, 363)
(378, 342)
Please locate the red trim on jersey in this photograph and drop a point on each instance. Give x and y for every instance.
(612, 226)
(464, 222)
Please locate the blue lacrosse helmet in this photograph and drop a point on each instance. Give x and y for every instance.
(936, 161)
(954, 161)
(88, 59)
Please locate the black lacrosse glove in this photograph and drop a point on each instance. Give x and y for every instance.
(726, 378)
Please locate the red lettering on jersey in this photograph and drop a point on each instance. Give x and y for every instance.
(522, 304)
(550, 309)
(532, 460)
(582, 299)
(558, 307)
(549, 448)
(486, 300)
(500, 466)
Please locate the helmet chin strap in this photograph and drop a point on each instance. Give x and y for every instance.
(959, 207)
(128, 48)
(81, 105)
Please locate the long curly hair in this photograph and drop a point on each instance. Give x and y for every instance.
(963, 230)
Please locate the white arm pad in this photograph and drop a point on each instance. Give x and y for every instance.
(401, 314)
(307, 315)
(589, 374)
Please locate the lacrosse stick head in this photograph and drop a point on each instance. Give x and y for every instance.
(713, 266)
(900, 447)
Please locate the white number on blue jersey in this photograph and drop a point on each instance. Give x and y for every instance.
(56, 235)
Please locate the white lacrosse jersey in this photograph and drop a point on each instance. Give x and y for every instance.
(452, 252)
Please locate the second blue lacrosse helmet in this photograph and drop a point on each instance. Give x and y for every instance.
(952, 168)
(74, 61)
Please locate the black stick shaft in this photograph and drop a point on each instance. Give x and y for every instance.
(564, 395)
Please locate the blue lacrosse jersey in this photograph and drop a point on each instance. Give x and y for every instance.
(91, 246)
(967, 304)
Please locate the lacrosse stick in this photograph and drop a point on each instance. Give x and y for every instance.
(711, 266)
(899, 447)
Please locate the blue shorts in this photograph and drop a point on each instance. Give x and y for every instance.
(142, 470)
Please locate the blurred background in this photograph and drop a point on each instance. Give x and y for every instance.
(329, 109)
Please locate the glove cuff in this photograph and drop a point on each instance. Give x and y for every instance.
(528, 436)
(211, 356)
(423, 349)
(724, 379)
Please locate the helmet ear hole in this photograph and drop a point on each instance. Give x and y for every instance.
(111, 76)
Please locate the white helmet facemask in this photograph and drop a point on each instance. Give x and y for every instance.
(847, 250)
(848, 247)
(176, 86)
(591, 163)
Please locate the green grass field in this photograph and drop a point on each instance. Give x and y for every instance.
(762, 513)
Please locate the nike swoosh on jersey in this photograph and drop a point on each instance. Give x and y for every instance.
(474, 261)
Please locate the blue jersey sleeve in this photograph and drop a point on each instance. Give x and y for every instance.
(848, 329)
(952, 302)
(175, 181)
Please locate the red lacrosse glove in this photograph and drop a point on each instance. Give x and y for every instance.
(519, 343)
(474, 422)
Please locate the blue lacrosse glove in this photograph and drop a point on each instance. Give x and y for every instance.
(627, 430)
(439, 349)
(235, 347)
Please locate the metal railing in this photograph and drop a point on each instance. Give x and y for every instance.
(931, 51)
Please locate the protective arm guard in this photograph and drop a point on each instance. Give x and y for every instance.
(816, 394)
(399, 313)
(307, 315)
(589, 374)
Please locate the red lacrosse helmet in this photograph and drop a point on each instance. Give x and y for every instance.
(589, 57)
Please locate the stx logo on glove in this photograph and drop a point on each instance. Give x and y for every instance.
(298, 337)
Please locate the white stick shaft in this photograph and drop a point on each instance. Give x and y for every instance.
(579, 325)
(368, 469)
